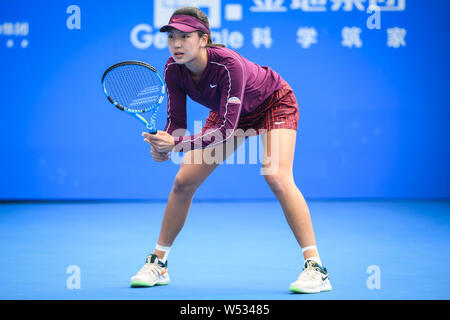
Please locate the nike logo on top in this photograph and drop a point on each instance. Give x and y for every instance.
(213, 85)
(279, 122)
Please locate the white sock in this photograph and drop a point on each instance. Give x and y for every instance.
(166, 251)
(315, 259)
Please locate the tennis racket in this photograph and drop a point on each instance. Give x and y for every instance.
(135, 87)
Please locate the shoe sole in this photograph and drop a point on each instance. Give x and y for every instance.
(299, 290)
(143, 284)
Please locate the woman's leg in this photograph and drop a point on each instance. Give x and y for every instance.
(279, 148)
(193, 171)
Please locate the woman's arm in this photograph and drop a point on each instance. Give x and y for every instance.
(176, 100)
(164, 141)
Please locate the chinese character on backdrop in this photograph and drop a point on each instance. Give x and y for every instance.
(347, 5)
(262, 37)
(306, 36)
(351, 37)
(268, 6)
(396, 37)
(309, 5)
(389, 5)
(8, 28)
(21, 28)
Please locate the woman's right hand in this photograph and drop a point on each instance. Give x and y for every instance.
(159, 156)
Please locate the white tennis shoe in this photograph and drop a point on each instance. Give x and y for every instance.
(313, 279)
(154, 272)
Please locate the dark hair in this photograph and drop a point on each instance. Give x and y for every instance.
(200, 15)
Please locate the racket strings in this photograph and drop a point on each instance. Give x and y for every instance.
(135, 87)
(152, 91)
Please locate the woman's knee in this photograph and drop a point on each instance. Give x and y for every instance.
(184, 184)
(279, 182)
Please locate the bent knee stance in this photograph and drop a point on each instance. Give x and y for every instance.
(279, 183)
(184, 185)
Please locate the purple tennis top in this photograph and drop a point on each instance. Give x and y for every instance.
(230, 85)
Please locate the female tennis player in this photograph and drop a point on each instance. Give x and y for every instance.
(242, 97)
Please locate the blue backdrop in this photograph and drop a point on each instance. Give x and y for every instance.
(374, 103)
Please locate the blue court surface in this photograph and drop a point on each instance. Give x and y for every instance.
(227, 250)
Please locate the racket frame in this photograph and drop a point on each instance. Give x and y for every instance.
(125, 109)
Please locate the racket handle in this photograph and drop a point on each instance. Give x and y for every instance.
(153, 132)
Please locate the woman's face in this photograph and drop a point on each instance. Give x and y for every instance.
(185, 47)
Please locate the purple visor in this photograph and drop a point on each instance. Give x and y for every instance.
(185, 23)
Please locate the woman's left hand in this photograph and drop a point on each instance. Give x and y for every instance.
(161, 141)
